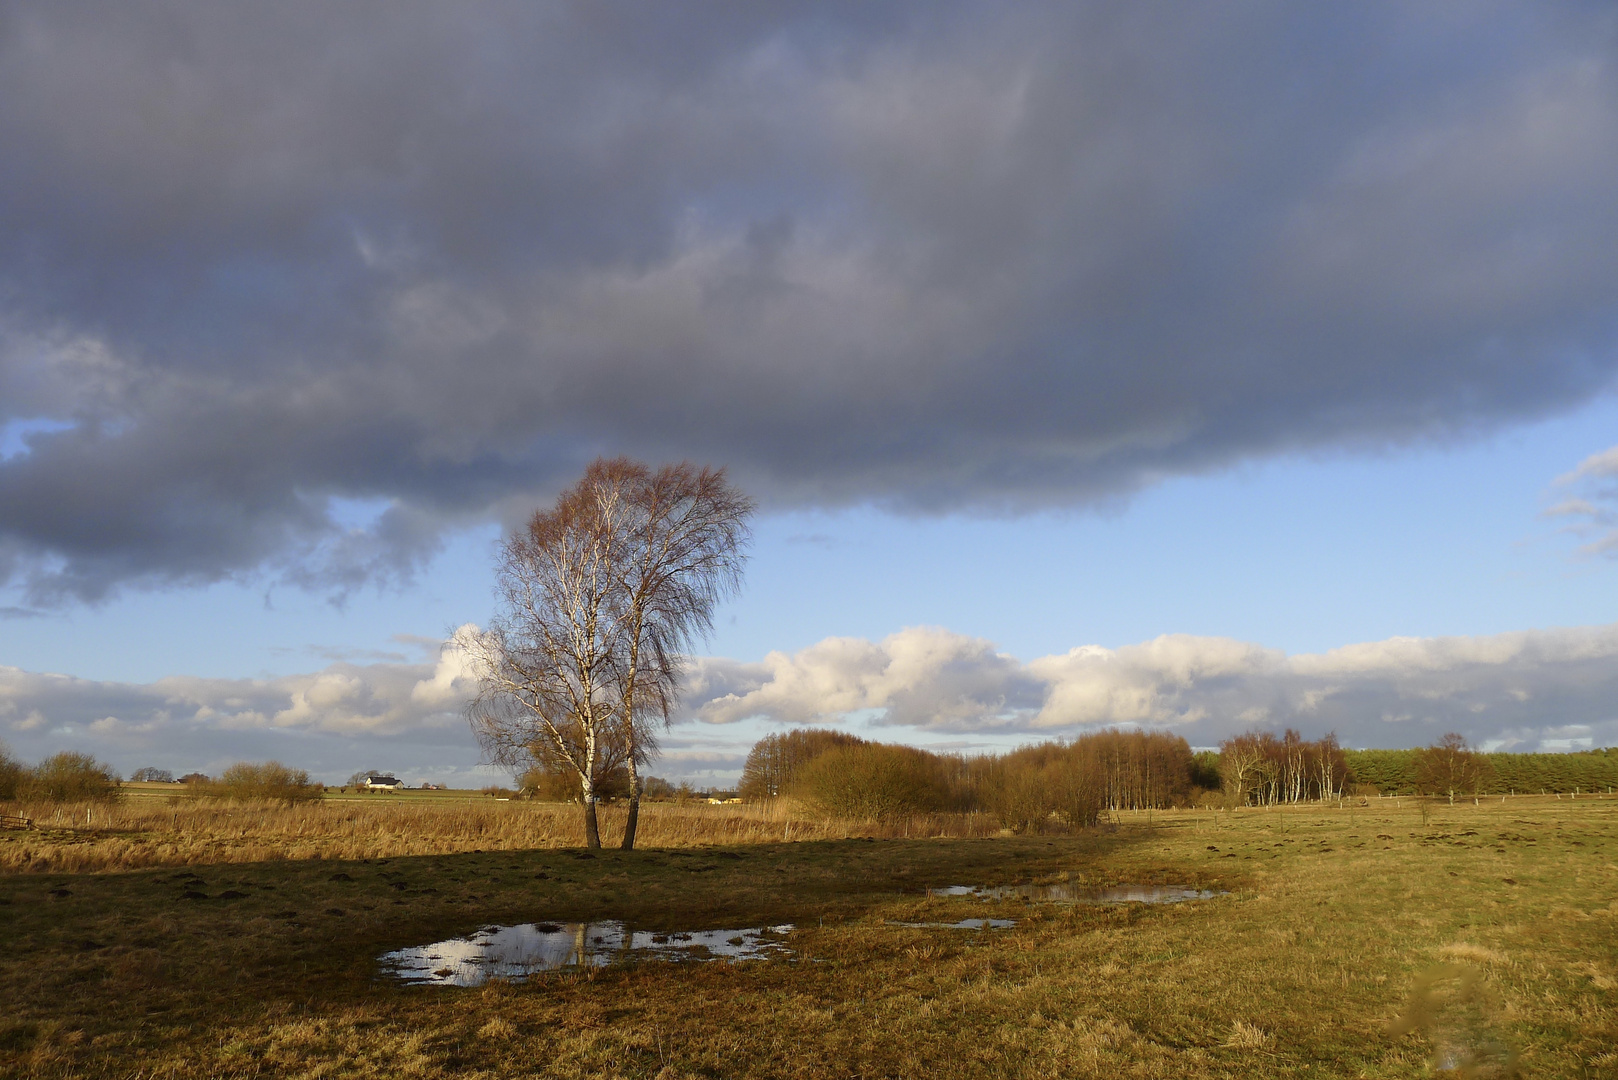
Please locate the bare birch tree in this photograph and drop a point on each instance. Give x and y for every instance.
(683, 553)
(599, 599)
(545, 665)
(1328, 765)
(1241, 761)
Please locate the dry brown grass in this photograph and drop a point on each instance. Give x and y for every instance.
(1353, 941)
(182, 831)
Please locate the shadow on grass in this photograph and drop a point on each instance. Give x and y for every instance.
(216, 947)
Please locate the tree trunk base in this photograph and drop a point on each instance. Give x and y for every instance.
(592, 829)
(631, 824)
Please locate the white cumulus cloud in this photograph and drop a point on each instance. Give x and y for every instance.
(1501, 689)
(1535, 689)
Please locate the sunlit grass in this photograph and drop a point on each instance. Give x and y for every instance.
(148, 831)
(1491, 930)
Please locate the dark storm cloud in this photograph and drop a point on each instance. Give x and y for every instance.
(270, 259)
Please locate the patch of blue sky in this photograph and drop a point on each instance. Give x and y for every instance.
(15, 434)
(357, 515)
(1301, 553)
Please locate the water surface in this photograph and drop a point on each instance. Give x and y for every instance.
(515, 952)
(964, 924)
(1080, 894)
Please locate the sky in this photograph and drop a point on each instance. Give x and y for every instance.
(1200, 369)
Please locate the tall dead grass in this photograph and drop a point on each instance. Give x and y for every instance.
(80, 837)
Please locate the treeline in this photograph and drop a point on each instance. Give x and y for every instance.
(1054, 783)
(71, 776)
(1259, 768)
(1397, 772)
(1073, 783)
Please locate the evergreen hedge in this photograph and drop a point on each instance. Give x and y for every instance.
(1393, 772)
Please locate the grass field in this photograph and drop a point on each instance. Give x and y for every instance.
(155, 826)
(1492, 929)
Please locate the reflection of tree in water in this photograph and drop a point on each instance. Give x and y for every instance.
(515, 952)
(1450, 1006)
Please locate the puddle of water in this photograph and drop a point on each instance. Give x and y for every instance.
(1080, 894)
(964, 924)
(515, 952)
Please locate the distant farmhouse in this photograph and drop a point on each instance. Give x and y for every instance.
(378, 782)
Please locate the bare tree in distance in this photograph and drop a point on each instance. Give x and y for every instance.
(600, 597)
(1241, 761)
(1449, 766)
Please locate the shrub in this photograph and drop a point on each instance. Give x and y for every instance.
(872, 781)
(69, 777)
(11, 775)
(559, 782)
(550, 785)
(775, 762)
(270, 780)
(1032, 788)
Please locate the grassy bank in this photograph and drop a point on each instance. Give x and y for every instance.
(1332, 918)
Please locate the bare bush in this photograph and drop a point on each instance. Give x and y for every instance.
(1053, 784)
(69, 777)
(1031, 789)
(874, 782)
(11, 775)
(775, 762)
(270, 780)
